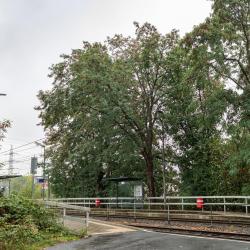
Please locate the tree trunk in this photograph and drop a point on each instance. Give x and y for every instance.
(150, 173)
(99, 184)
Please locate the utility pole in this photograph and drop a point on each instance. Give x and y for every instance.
(2, 94)
(44, 168)
(163, 157)
(33, 172)
(163, 166)
(11, 162)
(44, 159)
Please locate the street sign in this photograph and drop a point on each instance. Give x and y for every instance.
(40, 180)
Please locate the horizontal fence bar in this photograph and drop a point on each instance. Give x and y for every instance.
(154, 198)
(219, 203)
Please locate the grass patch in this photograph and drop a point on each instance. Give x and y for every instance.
(51, 240)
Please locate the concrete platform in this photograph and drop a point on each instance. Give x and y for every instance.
(96, 227)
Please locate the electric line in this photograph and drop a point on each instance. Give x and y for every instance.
(21, 146)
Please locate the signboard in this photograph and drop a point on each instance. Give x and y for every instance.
(138, 191)
(40, 180)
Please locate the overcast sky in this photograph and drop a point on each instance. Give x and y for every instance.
(34, 33)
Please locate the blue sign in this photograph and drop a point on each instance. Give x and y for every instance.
(40, 180)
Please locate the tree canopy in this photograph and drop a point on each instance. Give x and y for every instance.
(112, 104)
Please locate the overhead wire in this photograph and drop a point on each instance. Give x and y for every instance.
(18, 160)
(21, 146)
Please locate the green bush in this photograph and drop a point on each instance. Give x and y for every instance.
(23, 221)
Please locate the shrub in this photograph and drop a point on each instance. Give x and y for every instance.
(23, 221)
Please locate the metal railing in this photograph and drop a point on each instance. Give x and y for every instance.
(217, 203)
(55, 204)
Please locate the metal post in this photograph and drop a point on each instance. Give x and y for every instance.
(168, 213)
(33, 186)
(163, 165)
(87, 219)
(211, 215)
(9, 187)
(246, 201)
(225, 209)
(107, 210)
(182, 205)
(116, 194)
(64, 214)
(43, 192)
(44, 167)
(134, 210)
(48, 188)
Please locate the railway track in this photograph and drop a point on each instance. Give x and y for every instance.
(145, 222)
(184, 231)
(152, 216)
(205, 218)
(138, 217)
(203, 233)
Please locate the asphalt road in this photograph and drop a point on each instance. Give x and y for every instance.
(140, 240)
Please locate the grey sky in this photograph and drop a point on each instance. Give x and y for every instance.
(34, 33)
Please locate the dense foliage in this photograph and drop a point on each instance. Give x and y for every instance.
(23, 222)
(112, 104)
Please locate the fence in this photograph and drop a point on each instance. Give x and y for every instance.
(220, 203)
(56, 205)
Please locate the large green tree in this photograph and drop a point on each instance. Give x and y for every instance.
(226, 35)
(108, 98)
(196, 104)
(113, 104)
(231, 49)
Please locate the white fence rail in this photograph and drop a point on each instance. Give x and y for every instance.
(66, 206)
(224, 203)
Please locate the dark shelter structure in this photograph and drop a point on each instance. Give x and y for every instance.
(117, 180)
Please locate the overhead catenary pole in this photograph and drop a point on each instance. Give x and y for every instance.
(163, 166)
(44, 168)
(11, 162)
(163, 157)
(33, 172)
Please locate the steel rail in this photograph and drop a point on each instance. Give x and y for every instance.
(204, 233)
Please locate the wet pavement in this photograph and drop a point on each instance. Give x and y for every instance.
(95, 227)
(144, 240)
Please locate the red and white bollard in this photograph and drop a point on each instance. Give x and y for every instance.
(199, 202)
(97, 203)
